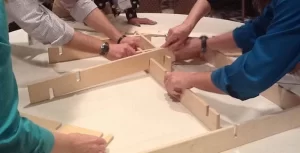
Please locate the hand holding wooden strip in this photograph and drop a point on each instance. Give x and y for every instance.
(45, 123)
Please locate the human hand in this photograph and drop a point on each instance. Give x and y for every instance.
(134, 42)
(176, 36)
(191, 49)
(78, 143)
(139, 21)
(117, 51)
(176, 82)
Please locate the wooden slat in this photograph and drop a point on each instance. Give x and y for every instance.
(68, 54)
(67, 129)
(235, 136)
(200, 109)
(168, 63)
(94, 76)
(157, 71)
(45, 123)
(108, 138)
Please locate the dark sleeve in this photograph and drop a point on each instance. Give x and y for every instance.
(272, 56)
(101, 4)
(131, 12)
(246, 35)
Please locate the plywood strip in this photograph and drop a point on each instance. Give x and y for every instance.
(108, 138)
(94, 76)
(235, 136)
(64, 54)
(67, 129)
(45, 123)
(157, 71)
(168, 61)
(282, 97)
(201, 110)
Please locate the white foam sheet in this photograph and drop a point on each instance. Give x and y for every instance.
(137, 112)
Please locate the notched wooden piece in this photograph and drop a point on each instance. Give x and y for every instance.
(93, 76)
(157, 71)
(200, 109)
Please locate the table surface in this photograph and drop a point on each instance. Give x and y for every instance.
(140, 118)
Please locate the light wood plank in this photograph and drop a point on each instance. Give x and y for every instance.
(168, 63)
(108, 138)
(200, 109)
(157, 71)
(235, 136)
(45, 123)
(67, 129)
(92, 77)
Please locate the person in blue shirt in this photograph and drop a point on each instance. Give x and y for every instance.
(270, 45)
(20, 135)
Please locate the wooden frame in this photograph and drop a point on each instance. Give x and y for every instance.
(157, 62)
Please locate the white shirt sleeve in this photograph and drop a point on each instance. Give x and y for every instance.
(39, 22)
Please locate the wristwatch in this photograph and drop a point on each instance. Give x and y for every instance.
(104, 49)
(120, 39)
(203, 45)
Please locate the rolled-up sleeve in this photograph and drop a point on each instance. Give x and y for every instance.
(273, 55)
(79, 9)
(246, 35)
(39, 22)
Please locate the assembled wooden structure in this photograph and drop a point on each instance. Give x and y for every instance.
(158, 61)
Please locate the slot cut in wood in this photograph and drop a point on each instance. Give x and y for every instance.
(93, 76)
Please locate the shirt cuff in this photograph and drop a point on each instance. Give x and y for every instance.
(219, 79)
(66, 37)
(82, 9)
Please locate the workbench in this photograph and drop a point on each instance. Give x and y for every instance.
(135, 109)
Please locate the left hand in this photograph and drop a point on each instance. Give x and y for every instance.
(176, 82)
(134, 42)
(139, 21)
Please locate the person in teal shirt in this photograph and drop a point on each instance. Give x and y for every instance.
(20, 135)
(270, 45)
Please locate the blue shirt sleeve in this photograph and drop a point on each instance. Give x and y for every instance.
(273, 55)
(246, 35)
(17, 134)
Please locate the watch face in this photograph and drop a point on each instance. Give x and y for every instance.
(104, 48)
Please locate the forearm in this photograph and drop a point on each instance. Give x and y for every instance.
(85, 43)
(224, 42)
(202, 81)
(199, 10)
(98, 21)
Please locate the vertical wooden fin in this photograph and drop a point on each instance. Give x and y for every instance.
(208, 116)
(45, 123)
(157, 71)
(93, 76)
(168, 63)
(108, 138)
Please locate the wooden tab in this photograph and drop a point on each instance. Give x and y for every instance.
(168, 63)
(108, 138)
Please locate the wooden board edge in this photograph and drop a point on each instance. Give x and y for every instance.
(67, 129)
(42, 122)
(146, 43)
(157, 71)
(41, 91)
(237, 135)
(201, 110)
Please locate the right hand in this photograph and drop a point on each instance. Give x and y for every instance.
(190, 50)
(78, 143)
(177, 36)
(117, 51)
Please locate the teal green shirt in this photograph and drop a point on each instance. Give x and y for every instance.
(17, 134)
